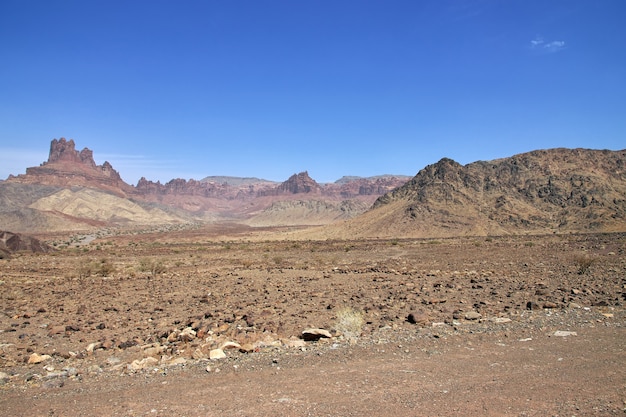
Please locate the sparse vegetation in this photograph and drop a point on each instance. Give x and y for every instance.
(153, 266)
(350, 323)
(583, 263)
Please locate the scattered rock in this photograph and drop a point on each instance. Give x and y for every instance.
(217, 354)
(315, 334)
(93, 346)
(230, 345)
(247, 348)
(563, 333)
(418, 318)
(295, 343)
(4, 378)
(56, 330)
(187, 335)
(177, 361)
(144, 363)
(53, 383)
(501, 320)
(473, 315)
(37, 358)
(198, 354)
(153, 351)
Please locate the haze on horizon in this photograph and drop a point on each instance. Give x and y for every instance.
(269, 89)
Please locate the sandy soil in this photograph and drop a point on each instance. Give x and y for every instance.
(126, 326)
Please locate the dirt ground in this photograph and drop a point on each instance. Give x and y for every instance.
(128, 324)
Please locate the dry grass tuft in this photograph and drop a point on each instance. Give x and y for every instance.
(350, 323)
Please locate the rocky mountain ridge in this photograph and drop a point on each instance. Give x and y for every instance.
(80, 192)
(543, 191)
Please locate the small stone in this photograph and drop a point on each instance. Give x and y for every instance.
(418, 318)
(216, 354)
(177, 361)
(173, 336)
(549, 304)
(4, 378)
(112, 360)
(315, 334)
(187, 335)
(230, 345)
(153, 351)
(501, 320)
(247, 348)
(56, 330)
(198, 354)
(472, 315)
(563, 333)
(37, 358)
(295, 343)
(53, 383)
(93, 346)
(144, 363)
(94, 369)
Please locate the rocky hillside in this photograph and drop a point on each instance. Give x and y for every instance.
(545, 191)
(14, 242)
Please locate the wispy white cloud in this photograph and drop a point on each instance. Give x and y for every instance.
(539, 44)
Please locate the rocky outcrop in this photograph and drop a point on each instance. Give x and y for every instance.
(300, 183)
(15, 242)
(67, 167)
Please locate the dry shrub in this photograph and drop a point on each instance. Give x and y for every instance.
(583, 263)
(350, 323)
(153, 266)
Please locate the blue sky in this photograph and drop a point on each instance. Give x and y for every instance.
(188, 89)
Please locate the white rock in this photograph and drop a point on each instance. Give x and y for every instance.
(137, 364)
(230, 345)
(187, 335)
(563, 333)
(217, 354)
(501, 320)
(93, 346)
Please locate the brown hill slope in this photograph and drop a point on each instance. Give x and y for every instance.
(14, 242)
(545, 191)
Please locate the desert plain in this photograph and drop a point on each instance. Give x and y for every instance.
(225, 319)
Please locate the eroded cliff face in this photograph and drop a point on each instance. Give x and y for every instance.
(66, 167)
(210, 199)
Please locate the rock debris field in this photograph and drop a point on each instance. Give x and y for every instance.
(190, 323)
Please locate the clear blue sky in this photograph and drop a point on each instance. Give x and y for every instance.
(259, 88)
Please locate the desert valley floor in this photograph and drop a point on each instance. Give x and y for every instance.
(210, 321)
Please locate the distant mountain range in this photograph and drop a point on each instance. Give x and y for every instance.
(69, 191)
(544, 191)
